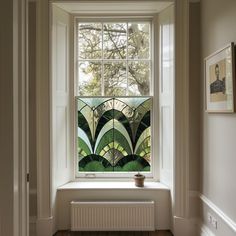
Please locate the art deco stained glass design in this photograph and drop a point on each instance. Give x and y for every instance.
(114, 134)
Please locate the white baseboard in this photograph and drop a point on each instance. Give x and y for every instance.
(226, 219)
(185, 227)
(44, 226)
(205, 231)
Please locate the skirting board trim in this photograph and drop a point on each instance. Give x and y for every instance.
(205, 231)
(185, 227)
(219, 212)
(44, 226)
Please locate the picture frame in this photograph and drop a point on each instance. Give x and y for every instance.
(220, 81)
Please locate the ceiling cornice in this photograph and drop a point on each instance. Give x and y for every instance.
(114, 7)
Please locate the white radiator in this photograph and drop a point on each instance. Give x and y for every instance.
(112, 216)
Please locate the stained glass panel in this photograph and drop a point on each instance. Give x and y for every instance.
(114, 134)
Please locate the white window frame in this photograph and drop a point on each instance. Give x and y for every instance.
(154, 173)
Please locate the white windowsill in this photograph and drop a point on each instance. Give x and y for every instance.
(112, 185)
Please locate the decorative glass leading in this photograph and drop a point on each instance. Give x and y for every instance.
(114, 134)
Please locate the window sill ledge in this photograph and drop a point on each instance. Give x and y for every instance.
(112, 185)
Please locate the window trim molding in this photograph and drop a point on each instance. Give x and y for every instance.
(154, 174)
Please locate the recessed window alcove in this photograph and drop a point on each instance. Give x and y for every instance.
(96, 160)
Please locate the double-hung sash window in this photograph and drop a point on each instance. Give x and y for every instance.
(114, 100)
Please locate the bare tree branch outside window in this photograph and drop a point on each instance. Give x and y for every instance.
(114, 59)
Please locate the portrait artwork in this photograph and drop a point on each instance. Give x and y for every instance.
(219, 80)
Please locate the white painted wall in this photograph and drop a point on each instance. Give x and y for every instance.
(13, 120)
(219, 130)
(194, 108)
(32, 117)
(43, 115)
(32, 109)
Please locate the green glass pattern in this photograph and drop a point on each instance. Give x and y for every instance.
(114, 134)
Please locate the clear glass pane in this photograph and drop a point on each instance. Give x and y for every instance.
(115, 82)
(120, 140)
(139, 40)
(90, 40)
(89, 78)
(115, 40)
(139, 78)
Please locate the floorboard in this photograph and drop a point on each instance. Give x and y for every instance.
(156, 233)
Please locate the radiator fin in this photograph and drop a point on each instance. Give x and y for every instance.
(112, 216)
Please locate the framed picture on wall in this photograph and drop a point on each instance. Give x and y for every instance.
(220, 81)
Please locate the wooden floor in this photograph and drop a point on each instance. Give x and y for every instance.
(157, 233)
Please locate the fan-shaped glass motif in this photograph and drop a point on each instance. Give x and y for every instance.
(114, 134)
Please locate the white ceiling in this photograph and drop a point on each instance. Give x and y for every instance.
(111, 7)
